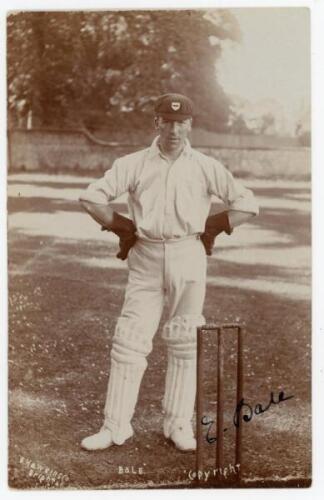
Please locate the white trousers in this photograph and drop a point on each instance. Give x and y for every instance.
(172, 273)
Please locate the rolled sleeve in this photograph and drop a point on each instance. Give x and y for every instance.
(113, 184)
(231, 191)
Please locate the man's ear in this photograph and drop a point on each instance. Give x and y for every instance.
(156, 122)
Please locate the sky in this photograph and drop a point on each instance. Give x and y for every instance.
(273, 59)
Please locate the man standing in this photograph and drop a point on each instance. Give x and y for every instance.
(170, 187)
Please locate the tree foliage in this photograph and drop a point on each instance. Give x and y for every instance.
(106, 68)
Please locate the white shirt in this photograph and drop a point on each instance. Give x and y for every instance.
(170, 200)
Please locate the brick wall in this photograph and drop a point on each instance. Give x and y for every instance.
(78, 151)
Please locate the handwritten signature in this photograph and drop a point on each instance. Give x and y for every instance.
(245, 412)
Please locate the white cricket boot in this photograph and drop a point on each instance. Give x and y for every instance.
(182, 436)
(99, 441)
(102, 440)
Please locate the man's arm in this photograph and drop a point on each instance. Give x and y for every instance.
(224, 221)
(103, 214)
(112, 221)
(237, 218)
(95, 201)
(115, 182)
(240, 202)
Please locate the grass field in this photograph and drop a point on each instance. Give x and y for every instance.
(65, 292)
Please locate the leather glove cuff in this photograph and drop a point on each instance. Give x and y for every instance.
(216, 224)
(125, 229)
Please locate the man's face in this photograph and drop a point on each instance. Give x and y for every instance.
(172, 133)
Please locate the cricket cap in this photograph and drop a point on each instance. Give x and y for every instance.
(174, 107)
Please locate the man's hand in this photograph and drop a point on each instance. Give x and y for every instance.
(215, 224)
(112, 221)
(125, 230)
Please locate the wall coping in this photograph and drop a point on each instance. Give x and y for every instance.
(115, 144)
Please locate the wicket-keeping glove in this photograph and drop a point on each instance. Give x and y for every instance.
(125, 229)
(215, 224)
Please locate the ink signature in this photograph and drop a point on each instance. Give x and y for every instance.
(245, 412)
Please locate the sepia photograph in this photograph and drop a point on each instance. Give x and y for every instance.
(159, 248)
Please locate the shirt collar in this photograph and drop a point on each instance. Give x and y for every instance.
(154, 149)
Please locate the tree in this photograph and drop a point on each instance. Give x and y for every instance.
(106, 68)
(267, 123)
(238, 125)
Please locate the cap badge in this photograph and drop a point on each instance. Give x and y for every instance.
(175, 106)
